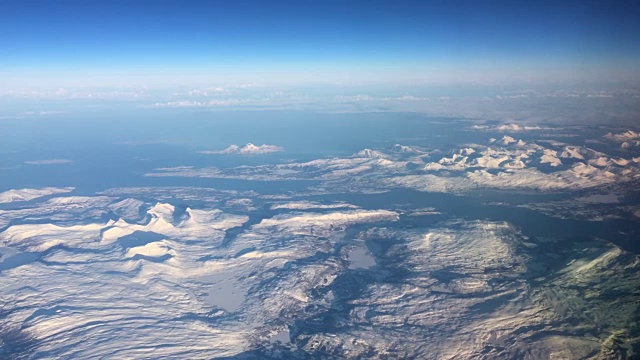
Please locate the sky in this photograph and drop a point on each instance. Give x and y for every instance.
(56, 44)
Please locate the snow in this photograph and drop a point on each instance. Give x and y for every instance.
(304, 223)
(506, 140)
(30, 194)
(510, 166)
(308, 205)
(403, 149)
(622, 137)
(170, 283)
(249, 149)
(165, 272)
(371, 154)
(627, 140)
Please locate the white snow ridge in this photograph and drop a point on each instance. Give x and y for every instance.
(30, 194)
(248, 149)
(177, 282)
(384, 254)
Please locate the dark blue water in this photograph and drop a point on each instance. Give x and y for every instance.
(624, 233)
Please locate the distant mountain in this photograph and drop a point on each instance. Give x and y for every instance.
(402, 149)
(371, 154)
(249, 149)
(30, 194)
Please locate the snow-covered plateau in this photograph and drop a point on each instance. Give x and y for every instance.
(514, 247)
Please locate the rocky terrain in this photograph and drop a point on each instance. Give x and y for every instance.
(337, 270)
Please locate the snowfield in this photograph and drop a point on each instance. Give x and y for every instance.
(516, 247)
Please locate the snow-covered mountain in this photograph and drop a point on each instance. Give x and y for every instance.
(249, 149)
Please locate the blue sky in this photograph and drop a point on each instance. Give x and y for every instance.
(91, 43)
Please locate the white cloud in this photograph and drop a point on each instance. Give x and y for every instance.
(509, 127)
(47, 112)
(193, 103)
(49, 162)
(73, 94)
